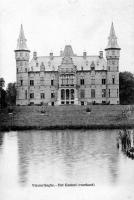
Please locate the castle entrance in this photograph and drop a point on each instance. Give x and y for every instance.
(67, 96)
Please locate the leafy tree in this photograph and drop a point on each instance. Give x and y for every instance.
(2, 82)
(11, 93)
(2, 93)
(126, 83)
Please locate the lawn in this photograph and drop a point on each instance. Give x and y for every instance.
(60, 117)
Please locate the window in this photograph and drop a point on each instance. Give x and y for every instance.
(67, 94)
(82, 94)
(103, 81)
(103, 92)
(25, 94)
(117, 93)
(25, 69)
(82, 81)
(92, 80)
(62, 94)
(52, 82)
(42, 80)
(31, 82)
(31, 95)
(113, 79)
(52, 103)
(71, 80)
(72, 94)
(113, 52)
(52, 95)
(42, 96)
(82, 103)
(17, 70)
(21, 82)
(109, 92)
(92, 93)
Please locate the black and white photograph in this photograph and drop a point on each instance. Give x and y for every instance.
(67, 100)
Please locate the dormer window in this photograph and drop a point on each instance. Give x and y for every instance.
(82, 68)
(92, 66)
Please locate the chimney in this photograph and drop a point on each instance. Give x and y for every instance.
(34, 55)
(84, 54)
(51, 56)
(101, 54)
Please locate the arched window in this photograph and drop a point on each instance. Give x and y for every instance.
(72, 94)
(67, 94)
(63, 94)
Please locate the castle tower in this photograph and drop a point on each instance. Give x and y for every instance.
(112, 56)
(22, 54)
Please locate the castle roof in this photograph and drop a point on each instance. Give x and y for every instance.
(112, 39)
(21, 43)
(82, 63)
(68, 51)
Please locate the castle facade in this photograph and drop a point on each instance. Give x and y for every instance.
(67, 78)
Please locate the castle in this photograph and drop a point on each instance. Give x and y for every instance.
(67, 78)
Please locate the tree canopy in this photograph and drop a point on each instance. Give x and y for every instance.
(2, 82)
(126, 84)
(11, 93)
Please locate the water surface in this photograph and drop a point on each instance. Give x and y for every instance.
(64, 157)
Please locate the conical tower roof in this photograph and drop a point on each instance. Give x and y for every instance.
(21, 43)
(112, 39)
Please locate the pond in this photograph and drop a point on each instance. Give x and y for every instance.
(64, 164)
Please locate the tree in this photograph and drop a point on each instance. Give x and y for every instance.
(11, 93)
(2, 82)
(126, 83)
(2, 93)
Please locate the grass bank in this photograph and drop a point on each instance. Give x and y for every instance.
(66, 117)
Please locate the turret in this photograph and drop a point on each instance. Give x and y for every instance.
(22, 54)
(112, 51)
(112, 56)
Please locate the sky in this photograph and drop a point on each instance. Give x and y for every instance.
(51, 24)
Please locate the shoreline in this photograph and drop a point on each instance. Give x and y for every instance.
(67, 117)
(65, 127)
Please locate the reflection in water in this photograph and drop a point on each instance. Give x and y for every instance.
(60, 156)
(1, 138)
(52, 157)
